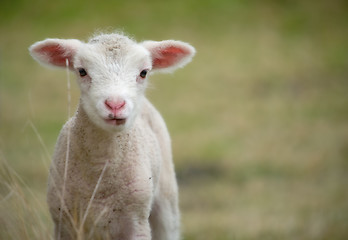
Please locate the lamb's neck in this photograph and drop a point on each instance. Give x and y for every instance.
(95, 143)
(85, 125)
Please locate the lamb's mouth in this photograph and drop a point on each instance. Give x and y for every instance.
(115, 121)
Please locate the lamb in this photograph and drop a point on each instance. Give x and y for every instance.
(112, 174)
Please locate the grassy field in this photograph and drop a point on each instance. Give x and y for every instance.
(259, 119)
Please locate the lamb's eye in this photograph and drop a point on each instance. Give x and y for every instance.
(82, 72)
(143, 73)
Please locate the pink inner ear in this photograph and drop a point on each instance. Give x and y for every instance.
(168, 57)
(56, 55)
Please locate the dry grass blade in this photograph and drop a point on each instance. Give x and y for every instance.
(67, 152)
(19, 207)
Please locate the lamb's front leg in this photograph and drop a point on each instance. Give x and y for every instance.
(129, 228)
(64, 230)
(141, 231)
(165, 219)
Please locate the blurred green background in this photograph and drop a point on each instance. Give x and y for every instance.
(258, 119)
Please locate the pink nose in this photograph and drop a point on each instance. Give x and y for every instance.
(114, 106)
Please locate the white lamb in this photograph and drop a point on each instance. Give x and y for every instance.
(112, 175)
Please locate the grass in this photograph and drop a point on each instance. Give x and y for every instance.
(258, 119)
(23, 216)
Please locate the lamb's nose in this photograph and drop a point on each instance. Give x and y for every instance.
(114, 106)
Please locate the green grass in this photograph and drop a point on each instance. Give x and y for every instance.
(258, 119)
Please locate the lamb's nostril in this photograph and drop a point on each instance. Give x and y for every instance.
(114, 105)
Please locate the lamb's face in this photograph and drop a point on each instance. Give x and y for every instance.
(112, 71)
(112, 77)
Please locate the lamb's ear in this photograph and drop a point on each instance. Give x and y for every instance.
(54, 52)
(169, 55)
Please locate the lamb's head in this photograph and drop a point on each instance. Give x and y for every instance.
(112, 72)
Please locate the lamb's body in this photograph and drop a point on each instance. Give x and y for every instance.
(112, 175)
(128, 189)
